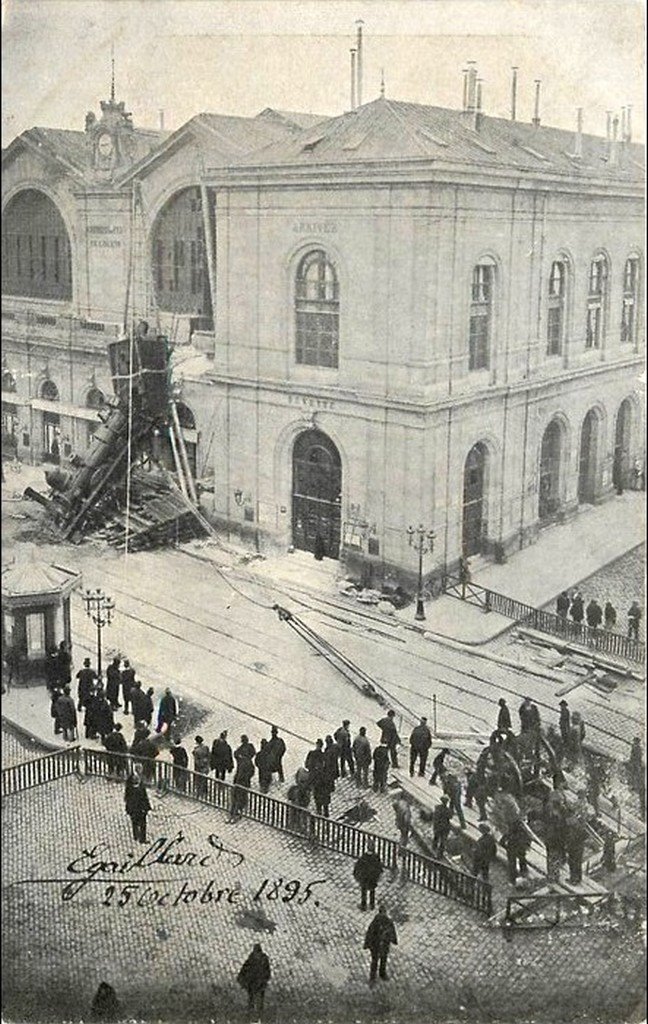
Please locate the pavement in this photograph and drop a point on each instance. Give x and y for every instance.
(178, 962)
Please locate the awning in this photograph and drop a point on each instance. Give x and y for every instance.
(77, 412)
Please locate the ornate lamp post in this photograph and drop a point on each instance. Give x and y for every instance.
(421, 540)
(99, 608)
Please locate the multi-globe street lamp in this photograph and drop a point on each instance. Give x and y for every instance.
(99, 608)
(421, 540)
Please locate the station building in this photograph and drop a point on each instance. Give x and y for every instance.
(402, 315)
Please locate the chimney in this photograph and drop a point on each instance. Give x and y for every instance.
(359, 23)
(623, 124)
(514, 93)
(629, 124)
(471, 95)
(353, 78)
(536, 110)
(465, 89)
(614, 144)
(161, 113)
(578, 141)
(478, 106)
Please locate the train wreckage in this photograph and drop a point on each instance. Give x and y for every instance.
(119, 490)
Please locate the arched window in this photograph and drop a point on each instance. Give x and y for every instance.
(556, 307)
(8, 381)
(317, 309)
(179, 256)
(95, 399)
(36, 255)
(49, 391)
(596, 302)
(481, 316)
(630, 300)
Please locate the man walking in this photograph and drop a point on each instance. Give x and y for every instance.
(342, 737)
(221, 760)
(380, 767)
(137, 803)
(367, 871)
(441, 827)
(381, 934)
(277, 749)
(420, 743)
(389, 736)
(485, 852)
(362, 756)
(452, 789)
(254, 976)
(438, 765)
(167, 712)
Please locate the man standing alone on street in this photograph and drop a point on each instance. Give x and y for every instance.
(381, 934)
(420, 743)
(367, 871)
(137, 804)
(254, 976)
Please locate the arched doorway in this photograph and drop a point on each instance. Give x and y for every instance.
(622, 436)
(588, 459)
(550, 469)
(474, 504)
(317, 498)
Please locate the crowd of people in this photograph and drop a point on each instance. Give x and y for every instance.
(571, 605)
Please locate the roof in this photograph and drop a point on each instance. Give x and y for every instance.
(70, 148)
(32, 578)
(292, 118)
(388, 130)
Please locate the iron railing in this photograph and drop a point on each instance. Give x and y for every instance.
(603, 640)
(325, 832)
(48, 768)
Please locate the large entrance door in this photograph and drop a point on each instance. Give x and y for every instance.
(51, 437)
(587, 466)
(473, 501)
(622, 445)
(549, 477)
(317, 498)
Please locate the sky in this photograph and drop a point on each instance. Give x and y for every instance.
(240, 56)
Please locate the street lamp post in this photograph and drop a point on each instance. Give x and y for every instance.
(421, 540)
(99, 608)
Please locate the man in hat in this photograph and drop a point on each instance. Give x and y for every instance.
(485, 851)
(254, 976)
(86, 680)
(564, 721)
(381, 934)
(367, 871)
(277, 749)
(137, 803)
(362, 756)
(420, 743)
(441, 826)
(503, 716)
(113, 679)
(562, 605)
(342, 737)
(389, 736)
(201, 762)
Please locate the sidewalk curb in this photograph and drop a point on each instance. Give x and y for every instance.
(30, 734)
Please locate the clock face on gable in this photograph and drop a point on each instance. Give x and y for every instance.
(105, 145)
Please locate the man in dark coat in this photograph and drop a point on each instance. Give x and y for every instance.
(609, 615)
(477, 790)
(516, 841)
(594, 614)
(242, 779)
(277, 750)
(380, 767)
(381, 934)
(113, 679)
(64, 664)
(485, 852)
(66, 714)
(143, 747)
(167, 712)
(262, 762)
(331, 762)
(577, 609)
(315, 757)
(180, 760)
(137, 699)
(529, 716)
(342, 737)
(245, 750)
(127, 683)
(441, 826)
(389, 735)
(453, 790)
(115, 744)
(221, 760)
(254, 976)
(562, 605)
(634, 620)
(438, 765)
(201, 762)
(575, 836)
(55, 693)
(362, 755)
(503, 716)
(105, 1005)
(147, 706)
(564, 721)
(420, 743)
(90, 720)
(367, 871)
(102, 715)
(87, 678)
(322, 784)
(137, 803)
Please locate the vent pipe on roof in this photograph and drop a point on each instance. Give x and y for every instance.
(471, 91)
(465, 89)
(578, 141)
(614, 144)
(353, 78)
(359, 23)
(514, 93)
(536, 110)
(478, 105)
(629, 124)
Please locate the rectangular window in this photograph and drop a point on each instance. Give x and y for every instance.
(480, 317)
(628, 309)
(595, 303)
